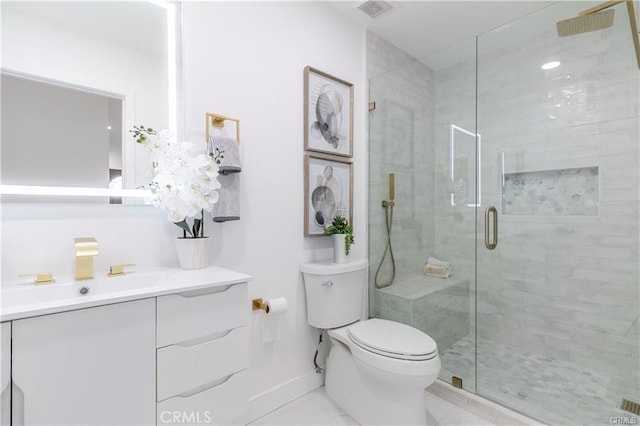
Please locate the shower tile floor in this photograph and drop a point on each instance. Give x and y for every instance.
(568, 395)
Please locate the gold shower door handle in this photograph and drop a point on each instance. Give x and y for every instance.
(491, 211)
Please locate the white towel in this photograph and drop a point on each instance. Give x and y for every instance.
(432, 261)
(228, 206)
(437, 268)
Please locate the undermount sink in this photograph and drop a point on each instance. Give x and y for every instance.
(28, 294)
(25, 300)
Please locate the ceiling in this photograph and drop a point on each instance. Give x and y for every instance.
(422, 28)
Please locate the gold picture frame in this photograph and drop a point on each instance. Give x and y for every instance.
(328, 192)
(328, 113)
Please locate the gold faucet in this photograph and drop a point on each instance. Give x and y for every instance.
(86, 248)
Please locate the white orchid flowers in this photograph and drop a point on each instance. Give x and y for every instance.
(184, 184)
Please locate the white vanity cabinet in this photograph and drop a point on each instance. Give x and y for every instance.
(88, 366)
(5, 374)
(163, 347)
(202, 355)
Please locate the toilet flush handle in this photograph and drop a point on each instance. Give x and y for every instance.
(328, 284)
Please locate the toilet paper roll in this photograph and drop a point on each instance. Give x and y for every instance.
(277, 306)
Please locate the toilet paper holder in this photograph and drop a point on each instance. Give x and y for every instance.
(259, 304)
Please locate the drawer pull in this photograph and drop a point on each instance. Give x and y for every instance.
(226, 400)
(203, 339)
(206, 387)
(204, 291)
(182, 369)
(181, 319)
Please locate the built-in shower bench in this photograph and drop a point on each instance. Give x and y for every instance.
(438, 306)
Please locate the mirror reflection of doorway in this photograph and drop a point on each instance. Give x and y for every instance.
(58, 135)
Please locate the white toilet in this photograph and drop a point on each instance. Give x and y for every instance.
(377, 369)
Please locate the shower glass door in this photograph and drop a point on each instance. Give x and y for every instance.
(558, 298)
(422, 131)
(542, 316)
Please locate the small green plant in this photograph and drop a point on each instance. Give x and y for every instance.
(340, 225)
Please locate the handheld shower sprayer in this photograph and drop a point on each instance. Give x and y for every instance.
(387, 205)
(392, 191)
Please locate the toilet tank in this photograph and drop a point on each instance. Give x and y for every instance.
(335, 293)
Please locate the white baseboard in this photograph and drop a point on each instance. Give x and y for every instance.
(276, 397)
(481, 407)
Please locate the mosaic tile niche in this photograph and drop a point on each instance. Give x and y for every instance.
(565, 192)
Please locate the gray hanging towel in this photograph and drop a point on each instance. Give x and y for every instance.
(228, 206)
(229, 151)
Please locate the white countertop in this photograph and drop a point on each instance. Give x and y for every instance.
(28, 300)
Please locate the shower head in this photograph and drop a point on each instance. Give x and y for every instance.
(597, 18)
(585, 23)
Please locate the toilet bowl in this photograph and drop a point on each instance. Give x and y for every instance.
(377, 369)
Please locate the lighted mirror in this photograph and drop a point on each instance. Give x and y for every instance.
(76, 76)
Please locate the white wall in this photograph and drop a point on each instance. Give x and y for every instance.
(244, 60)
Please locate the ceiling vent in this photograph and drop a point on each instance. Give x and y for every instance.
(375, 8)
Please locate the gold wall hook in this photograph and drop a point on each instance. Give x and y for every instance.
(41, 277)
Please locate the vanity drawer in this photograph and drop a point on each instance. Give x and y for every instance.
(182, 368)
(215, 405)
(186, 316)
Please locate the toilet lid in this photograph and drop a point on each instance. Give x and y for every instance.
(393, 339)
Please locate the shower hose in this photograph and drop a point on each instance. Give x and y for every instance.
(388, 214)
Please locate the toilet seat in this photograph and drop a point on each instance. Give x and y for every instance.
(393, 340)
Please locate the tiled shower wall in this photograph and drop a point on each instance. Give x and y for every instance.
(562, 286)
(401, 142)
(558, 286)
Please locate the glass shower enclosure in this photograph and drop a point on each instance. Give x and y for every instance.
(524, 179)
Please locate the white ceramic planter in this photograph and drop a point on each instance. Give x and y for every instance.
(192, 252)
(339, 250)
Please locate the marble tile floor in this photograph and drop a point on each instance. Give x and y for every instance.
(550, 390)
(315, 408)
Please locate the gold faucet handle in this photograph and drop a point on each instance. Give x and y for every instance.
(118, 270)
(41, 277)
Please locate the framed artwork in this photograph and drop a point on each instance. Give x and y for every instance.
(328, 113)
(328, 192)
